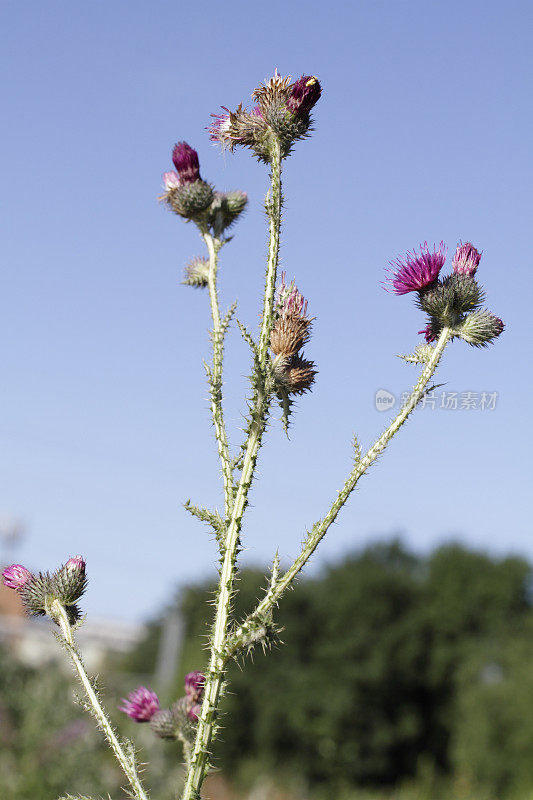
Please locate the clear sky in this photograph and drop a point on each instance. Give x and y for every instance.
(424, 131)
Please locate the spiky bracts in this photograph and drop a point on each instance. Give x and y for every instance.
(452, 302)
(196, 200)
(39, 591)
(176, 722)
(290, 332)
(281, 114)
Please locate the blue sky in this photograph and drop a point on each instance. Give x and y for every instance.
(423, 132)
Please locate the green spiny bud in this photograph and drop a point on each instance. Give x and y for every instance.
(37, 594)
(438, 301)
(225, 209)
(480, 328)
(164, 724)
(70, 581)
(197, 273)
(467, 293)
(190, 200)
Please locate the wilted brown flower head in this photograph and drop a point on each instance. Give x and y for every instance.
(292, 326)
(296, 374)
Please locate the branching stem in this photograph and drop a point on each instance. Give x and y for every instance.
(321, 527)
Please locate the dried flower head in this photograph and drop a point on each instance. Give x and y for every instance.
(417, 270)
(292, 326)
(140, 705)
(16, 576)
(194, 685)
(186, 162)
(296, 374)
(466, 259)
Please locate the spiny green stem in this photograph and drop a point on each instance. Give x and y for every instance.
(213, 247)
(262, 391)
(274, 212)
(59, 614)
(320, 528)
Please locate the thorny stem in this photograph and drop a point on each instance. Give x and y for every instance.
(320, 528)
(59, 614)
(213, 247)
(218, 659)
(273, 207)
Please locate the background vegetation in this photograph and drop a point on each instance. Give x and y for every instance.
(402, 677)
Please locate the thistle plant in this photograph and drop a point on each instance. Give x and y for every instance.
(454, 306)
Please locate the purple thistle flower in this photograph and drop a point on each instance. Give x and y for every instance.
(170, 180)
(304, 94)
(16, 576)
(194, 712)
(186, 162)
(140, 705)
(466, 259)
(194, 684)
(417, 270)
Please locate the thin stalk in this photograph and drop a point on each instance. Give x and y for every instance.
(59, 614)
(217, 663)
(320, 528)
(217, 412)
(273, 207)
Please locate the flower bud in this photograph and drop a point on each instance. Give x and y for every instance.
(140, 705)
(466, 259)
(186, 162)
(190, 200)
(225, 209)
(37, 594)
(163, 723)
(70, 581)
(194, 712)
(304, 94)
(197, 273)
(16, 576)
(194, 685)
(480, 328)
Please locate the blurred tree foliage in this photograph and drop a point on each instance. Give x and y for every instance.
(48, 745)
(393, 664)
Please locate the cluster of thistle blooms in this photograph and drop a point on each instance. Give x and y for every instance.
(290, 332)
(452, 302)
(176, 722)
(281, 115)
(192, 198)
(38, 592)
